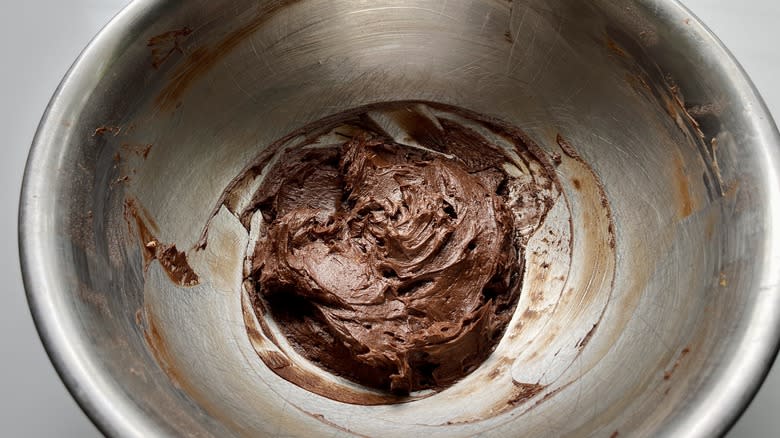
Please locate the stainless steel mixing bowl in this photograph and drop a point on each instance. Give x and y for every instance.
(667, 330)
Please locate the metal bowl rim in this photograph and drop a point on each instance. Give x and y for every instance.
(103, 408)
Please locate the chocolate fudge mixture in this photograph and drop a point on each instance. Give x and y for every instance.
(397, 266)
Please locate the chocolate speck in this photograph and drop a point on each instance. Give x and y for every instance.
(141, 150)
(115, 130)
(668, 374)
(508, 37)
(166, 44)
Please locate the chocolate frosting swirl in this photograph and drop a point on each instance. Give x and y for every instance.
(386, 264)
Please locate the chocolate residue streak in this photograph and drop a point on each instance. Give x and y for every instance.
(523, 392)
(638, 83)
(166, 44)
(671, 110)
(276, 361)
(684, 199)
(495, 372)
(141, 150)
(508, 37)
(530, 314)
(552, 393)
(173, 261)
(680, 103)
(584, 341)
(120, 180)
(159, 349)
(615, 434)
(201, 60)
(114, 130)
(318, 385)
(709, 227)
(683, 353)
(175, 264)
(567, 148)
(615, 48)
(651, 82)
(576, 183)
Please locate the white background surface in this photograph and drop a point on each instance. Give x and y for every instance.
(39, 39)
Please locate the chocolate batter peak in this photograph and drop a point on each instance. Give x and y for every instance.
(394, 258)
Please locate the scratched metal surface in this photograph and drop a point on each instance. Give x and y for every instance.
(674, 134)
